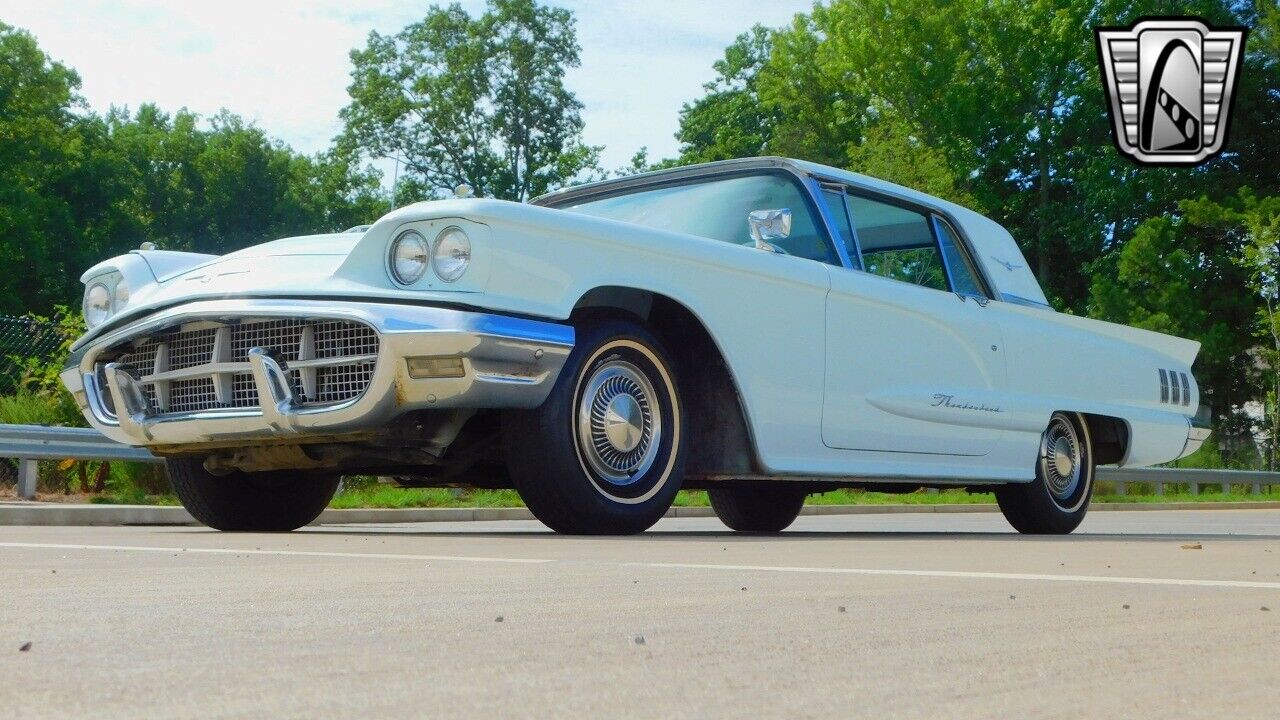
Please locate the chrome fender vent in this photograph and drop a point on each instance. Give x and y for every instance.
(1175, 387)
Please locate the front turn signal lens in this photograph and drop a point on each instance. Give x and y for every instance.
(435, 366)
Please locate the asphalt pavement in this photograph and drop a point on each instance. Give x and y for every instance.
(1138, 614)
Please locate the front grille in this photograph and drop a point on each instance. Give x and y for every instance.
(327, 361)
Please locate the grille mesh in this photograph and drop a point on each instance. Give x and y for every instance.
(285, 339)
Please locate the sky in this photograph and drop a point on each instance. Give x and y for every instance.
(284, 64)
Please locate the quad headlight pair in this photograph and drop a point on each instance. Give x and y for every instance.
(103, 298)
(411, 255)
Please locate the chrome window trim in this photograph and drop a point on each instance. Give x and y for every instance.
(942, 254)
(984, 288)
(962, 239)
(1026, 302)
(816, 188)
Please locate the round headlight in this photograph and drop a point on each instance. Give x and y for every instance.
(452, 254)
(122, 295)
(409, 257)
(97, 305)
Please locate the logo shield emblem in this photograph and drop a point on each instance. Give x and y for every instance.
(1170, 83)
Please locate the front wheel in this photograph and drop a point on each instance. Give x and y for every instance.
(605, 453)
(263, 502)
(1056, 501)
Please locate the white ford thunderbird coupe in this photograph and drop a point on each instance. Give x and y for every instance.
(762, 328)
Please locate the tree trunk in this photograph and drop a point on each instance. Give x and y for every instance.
(1042, 217)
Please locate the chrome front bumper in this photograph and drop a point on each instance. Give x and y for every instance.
(506, 362)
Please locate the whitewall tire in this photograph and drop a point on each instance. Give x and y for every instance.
(605, 453)
(1055, 502)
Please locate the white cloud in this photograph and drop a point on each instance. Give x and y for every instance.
(284, 63)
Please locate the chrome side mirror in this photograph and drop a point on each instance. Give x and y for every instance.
(769, 225)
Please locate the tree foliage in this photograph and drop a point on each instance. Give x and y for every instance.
(729, 121)
(78, 187)
(474, 100)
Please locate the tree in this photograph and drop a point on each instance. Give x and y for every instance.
(995, 104)
(1253, 224)
(38, 141)
(730, 121)
(475, 100)
(1170, 278)
(77, 187)
(230, 186)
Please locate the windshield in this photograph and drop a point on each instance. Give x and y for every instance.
(717, 209)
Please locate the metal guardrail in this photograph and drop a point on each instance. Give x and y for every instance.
(31, 443)
(1194, 478)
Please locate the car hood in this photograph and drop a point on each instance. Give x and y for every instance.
(336, 244)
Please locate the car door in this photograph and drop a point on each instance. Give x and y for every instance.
(914, 358)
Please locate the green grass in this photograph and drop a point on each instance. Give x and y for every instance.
(384, 496)
(373, 495)
(133, 496)
(1204, 497)
(29, 408)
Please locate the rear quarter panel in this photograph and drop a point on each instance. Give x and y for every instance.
(1059, 362)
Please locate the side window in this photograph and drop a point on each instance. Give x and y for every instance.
(964, 278)
(897, 243)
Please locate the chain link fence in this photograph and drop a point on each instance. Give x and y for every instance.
(23, 339)
(25, 342)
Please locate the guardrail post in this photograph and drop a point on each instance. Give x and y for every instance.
(1257, 489)
(1121, 486)
(1159, 487)
(1226, 488)
(28, 474)
(1195, 488)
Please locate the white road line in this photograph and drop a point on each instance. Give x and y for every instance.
(960, 574)
(1110, 579)
(287, 553)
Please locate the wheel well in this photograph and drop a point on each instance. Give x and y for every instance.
(719, 436)
(1110, 437)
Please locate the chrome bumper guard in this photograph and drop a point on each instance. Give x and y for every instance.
(1198, 429)
(505, 362)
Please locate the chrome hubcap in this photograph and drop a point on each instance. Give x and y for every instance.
(624, 423)
(619, 422)
(1063, 463)
(1061, 459)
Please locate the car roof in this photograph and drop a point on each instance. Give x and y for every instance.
(996, 250)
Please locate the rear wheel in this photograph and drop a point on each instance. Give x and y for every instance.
(263, 502)
(1055, 502)
(762, 508)
(605, 453)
